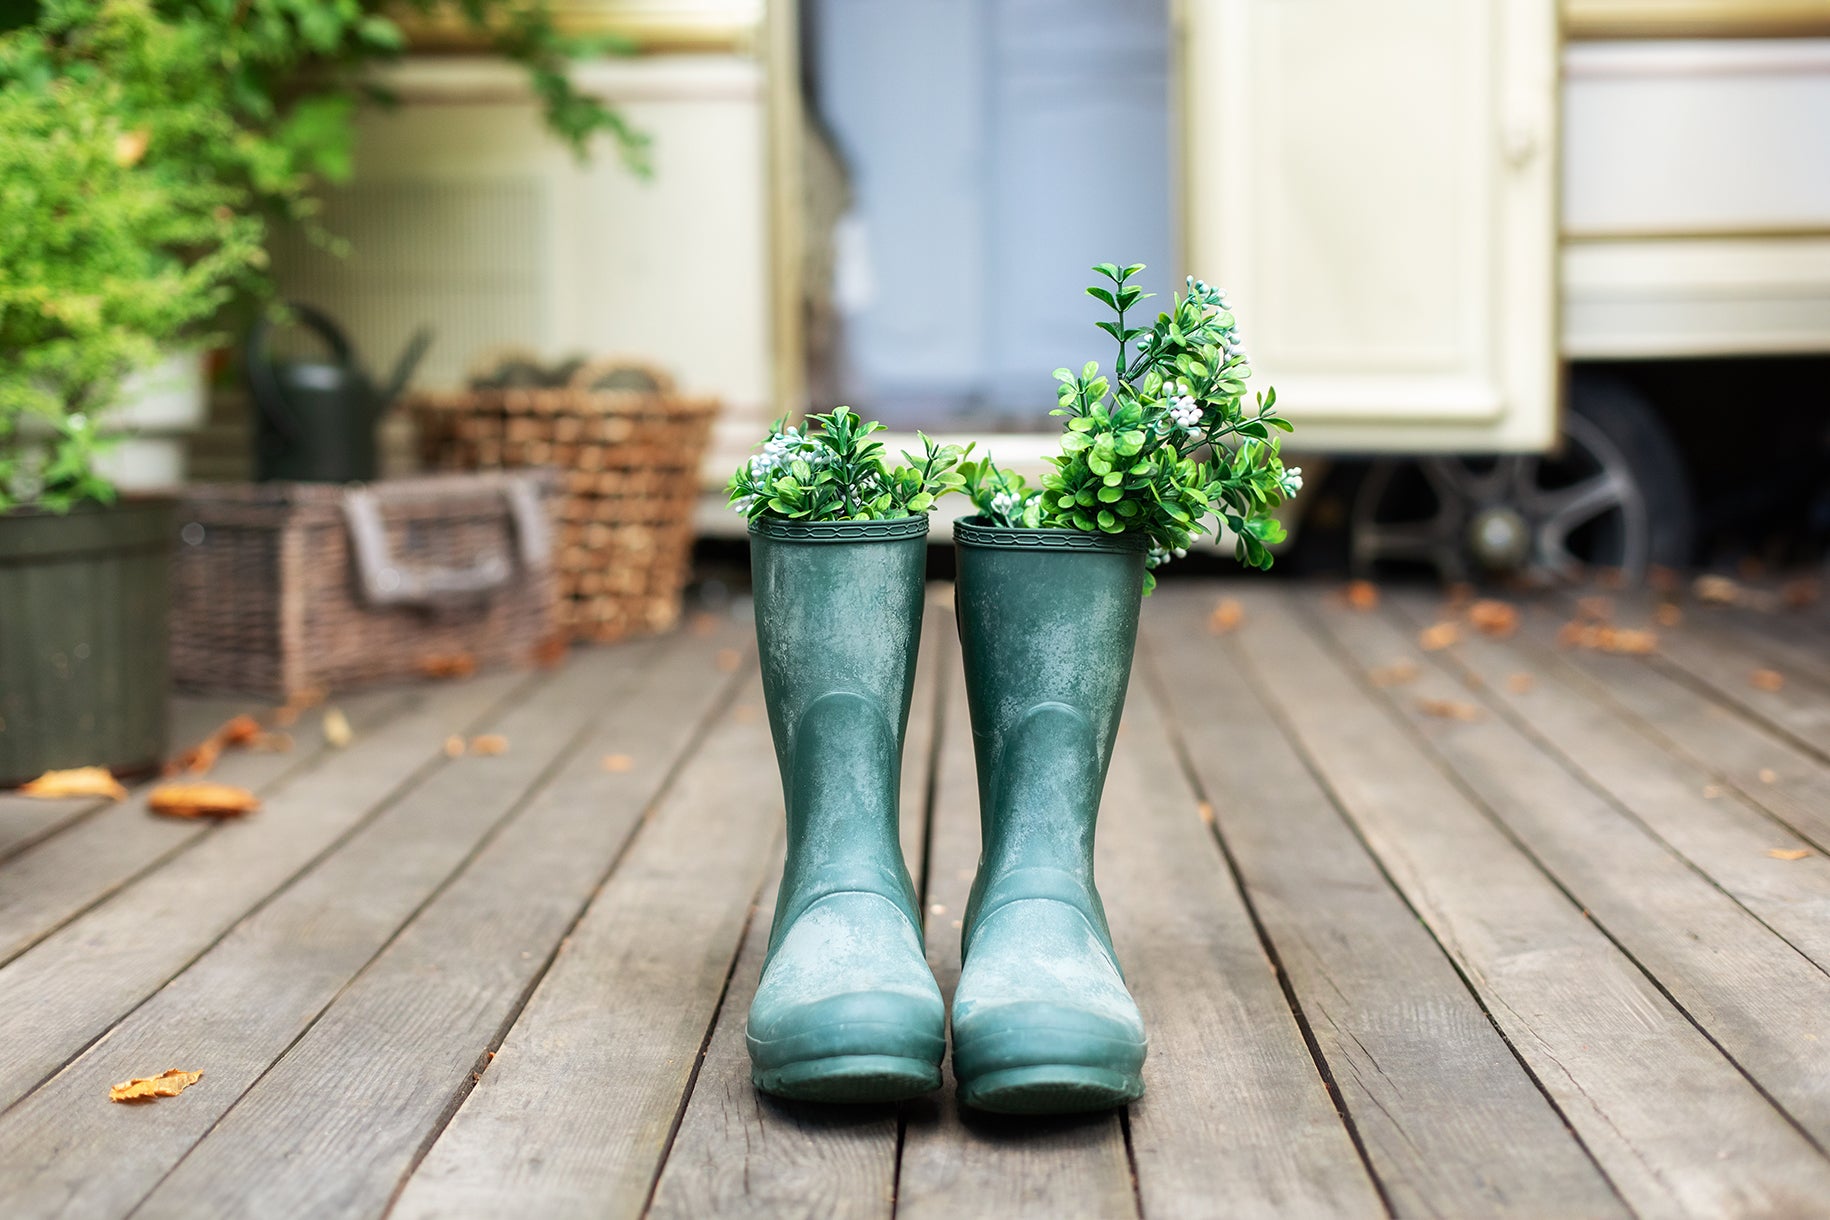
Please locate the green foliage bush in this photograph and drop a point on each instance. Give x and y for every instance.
(146, 146)
(1168, 442)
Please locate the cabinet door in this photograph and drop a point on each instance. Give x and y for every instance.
(1375, 185)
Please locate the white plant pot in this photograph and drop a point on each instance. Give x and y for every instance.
(153, 418)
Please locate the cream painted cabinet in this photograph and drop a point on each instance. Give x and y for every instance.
(1375, 184)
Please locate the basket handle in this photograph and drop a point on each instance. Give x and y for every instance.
(387, 583)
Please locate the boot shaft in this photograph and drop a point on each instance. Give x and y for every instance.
(1048, 623)
(838, 621)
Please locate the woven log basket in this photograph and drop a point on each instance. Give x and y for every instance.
(628, 448)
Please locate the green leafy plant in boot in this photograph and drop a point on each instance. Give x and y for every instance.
(830, 470)
(1171, 440)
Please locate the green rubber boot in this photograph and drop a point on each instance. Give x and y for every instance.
(847, 1009)
(1042, 1022)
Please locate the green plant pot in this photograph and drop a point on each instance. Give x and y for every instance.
(1042, 1021)
(85, 600)
(847, 1009)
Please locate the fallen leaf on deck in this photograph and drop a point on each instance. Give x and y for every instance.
(336, 727)
(1438, 636)
(728, 659)
(201, 801)
(1668, 614)
(1717, 590)
(1494, 618)
(1226, 617)
(1800, 593)
(618, 762)
(447, 665)
(454, 746)
(1594, 609)
(1395, 674)
(1768, 680)
(551, 651)
(150, 1088)
(1789, 853)
(77, 781)
(1520, 684)
(1362, 595)
(236, 731)
(1768, 775)
(489, 743)
(1449, 709)
(1206, 811)
(1601, 638)
(239, 731)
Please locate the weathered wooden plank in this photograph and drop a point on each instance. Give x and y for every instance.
(1799, 710)
(960, 1163)
(46, 887)
(1236, 1120)
(1586, 711)
(1675, 1126)
(75, 984)
(1763, 1003)
(27, 820)
(1451, 1122)
(575, 1112)
(242, 1004)
(739, 1152)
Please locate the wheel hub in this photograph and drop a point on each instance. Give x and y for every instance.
(1499, 538)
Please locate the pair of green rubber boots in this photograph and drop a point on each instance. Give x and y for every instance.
(847, 1009)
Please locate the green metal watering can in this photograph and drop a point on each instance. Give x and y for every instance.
(315, 419)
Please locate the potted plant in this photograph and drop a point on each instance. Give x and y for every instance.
(112, 254)
(1050, 580)
(847, 1009)
(144, 152)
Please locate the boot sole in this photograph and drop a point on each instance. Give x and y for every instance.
(851, 1078)
(1055, 1088)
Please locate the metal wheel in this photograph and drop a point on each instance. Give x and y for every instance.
(1611, 498)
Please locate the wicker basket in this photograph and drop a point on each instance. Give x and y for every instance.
(282, 588)
(629, 459)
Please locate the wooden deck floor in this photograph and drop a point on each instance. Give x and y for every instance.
(1498, 929)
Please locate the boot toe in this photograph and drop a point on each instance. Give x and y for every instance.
(1042, 1021)
(847, 1009)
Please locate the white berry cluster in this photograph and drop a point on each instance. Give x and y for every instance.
(1183, 409)
(1159, 556)
(780, 452)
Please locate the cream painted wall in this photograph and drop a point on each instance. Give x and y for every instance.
(468, 216)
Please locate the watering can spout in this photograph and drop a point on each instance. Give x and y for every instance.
(410, 356)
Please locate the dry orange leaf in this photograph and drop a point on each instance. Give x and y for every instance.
(239, 731)
(1717, 590)
(489, 743)
(1438, 636)
(1395, 674)
(1594, 609)
(151, 1088)
(618, 762)
(728, 659)
(447, 665)
(1494, 618)
(1668, 614)
(201, 800)
(77, 781)
(1601, 638)
(336, 727)
(1767, 680)
(1206, 811)
(1226, 616)
(1362, 595)
(1449, 709)
(550, 652)
(1789, 853)
(454, 746)
(1520, 684)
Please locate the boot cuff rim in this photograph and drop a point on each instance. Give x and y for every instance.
(890, 529)
(976, 531)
